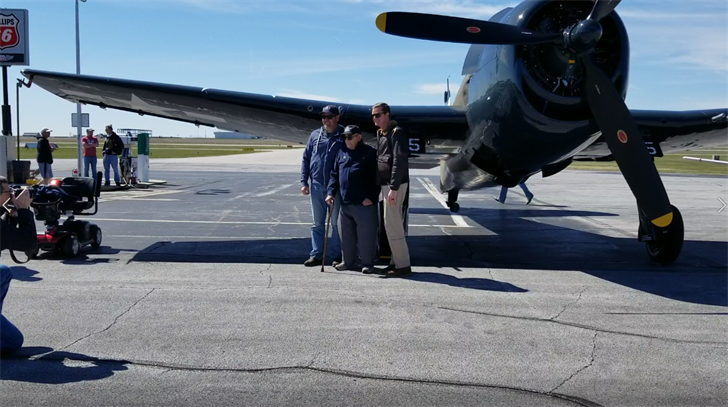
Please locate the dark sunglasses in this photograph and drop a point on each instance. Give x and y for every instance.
(377, 115)
(326, 117)
(350, 136)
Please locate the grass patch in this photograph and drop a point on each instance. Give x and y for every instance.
(670, 164)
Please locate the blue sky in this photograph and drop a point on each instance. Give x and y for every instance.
(330, 50)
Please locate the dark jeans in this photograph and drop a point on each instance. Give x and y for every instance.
(10, 337)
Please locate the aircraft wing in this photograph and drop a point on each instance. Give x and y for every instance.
(276, 117)
(671, 132)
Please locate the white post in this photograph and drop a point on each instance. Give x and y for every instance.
(79, 161)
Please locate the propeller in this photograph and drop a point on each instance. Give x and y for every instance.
(610, 112)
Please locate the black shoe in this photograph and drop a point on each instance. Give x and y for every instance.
(530, 197)
(312, 262)
(367, 270)
(106, 184)
(400, 272)
(118, 184)
(336, 262)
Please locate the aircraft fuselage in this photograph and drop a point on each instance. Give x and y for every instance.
(518, 123)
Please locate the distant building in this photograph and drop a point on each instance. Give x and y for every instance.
(235, 135)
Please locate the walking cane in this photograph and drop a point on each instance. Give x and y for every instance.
(326, 237)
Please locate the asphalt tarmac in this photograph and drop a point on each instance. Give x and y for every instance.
(198, 296)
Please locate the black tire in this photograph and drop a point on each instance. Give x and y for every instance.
(70, 246)
(666, 249)
(96, 237)
(454, 207)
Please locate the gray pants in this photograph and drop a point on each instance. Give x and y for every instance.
(358, 228)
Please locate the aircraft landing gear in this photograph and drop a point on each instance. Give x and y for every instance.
(452, 197)
(663, 244)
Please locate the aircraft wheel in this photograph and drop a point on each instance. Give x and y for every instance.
(71, 246)
(667, 244)
(454, 207)
(97, 236)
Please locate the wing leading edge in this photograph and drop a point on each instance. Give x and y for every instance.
(276, 117)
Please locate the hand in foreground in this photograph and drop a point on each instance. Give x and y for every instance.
(329, 200)
(392, 197)
(23, 200)
(367, 202)
(305, 191)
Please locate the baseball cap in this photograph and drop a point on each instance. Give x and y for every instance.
(352, 129)
(90, 129)
(330, 110)
(46, 129)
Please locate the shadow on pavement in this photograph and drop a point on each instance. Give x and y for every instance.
(55, 367)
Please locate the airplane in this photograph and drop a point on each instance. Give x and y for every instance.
(544, 86)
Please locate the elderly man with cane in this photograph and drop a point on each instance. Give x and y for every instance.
(355, 176)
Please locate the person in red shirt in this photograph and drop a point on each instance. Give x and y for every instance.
(89, 143)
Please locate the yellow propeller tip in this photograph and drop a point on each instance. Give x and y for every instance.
(382, 22)
(663, 221)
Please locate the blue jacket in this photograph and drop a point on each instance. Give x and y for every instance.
(355, 175)
(319, 155)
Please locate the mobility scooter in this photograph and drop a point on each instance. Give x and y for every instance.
(69, 197)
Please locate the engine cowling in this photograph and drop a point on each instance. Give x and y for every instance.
(552, 75)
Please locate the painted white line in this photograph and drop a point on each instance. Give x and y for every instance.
(276, 190)
(153, 199)
(214, 222)
(459, 221)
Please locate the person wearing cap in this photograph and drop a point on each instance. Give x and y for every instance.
(393, 170)
(321, 149)
(90, 143)
(112, 147)
(354, 177)
(44, 156)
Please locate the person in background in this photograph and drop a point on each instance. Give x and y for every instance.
(90, 143)
(318, 160)
(113, 146)
(504, 193)
(354, 176)
(45, 156)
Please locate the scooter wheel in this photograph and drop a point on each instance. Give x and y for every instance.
(71, 246)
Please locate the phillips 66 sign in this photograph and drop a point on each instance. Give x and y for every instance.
(14, 37)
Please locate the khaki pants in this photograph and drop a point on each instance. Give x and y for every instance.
(394, 226)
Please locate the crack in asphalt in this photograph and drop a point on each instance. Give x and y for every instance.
(581, 369)
(570, 304)
(110, 325)
(167, 367)
(587, 327)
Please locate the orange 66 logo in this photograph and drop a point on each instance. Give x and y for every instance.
(8, 31)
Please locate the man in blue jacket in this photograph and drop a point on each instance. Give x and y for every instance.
(318, 159)
(355, 178)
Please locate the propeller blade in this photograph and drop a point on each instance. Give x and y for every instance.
(460, 30)
(626, 144)
(602, 8)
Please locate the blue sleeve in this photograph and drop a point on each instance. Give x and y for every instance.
(306, 164)
(333, 186)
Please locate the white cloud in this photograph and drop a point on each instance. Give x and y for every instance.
(457, 8)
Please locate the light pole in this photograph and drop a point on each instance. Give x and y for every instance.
(18, 85)
(78, 105)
